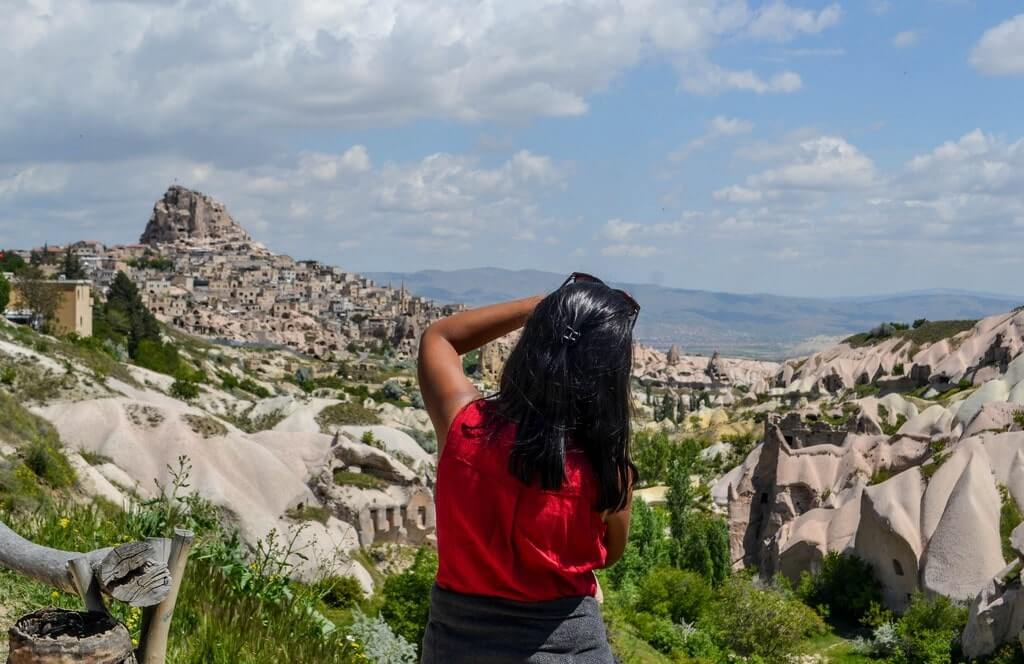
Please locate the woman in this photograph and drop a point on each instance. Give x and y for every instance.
(533, 483)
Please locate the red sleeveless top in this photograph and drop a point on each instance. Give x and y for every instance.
(501, 538)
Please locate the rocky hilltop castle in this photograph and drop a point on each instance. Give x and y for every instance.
(200, 271)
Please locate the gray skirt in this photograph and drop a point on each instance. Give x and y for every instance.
(491, 630)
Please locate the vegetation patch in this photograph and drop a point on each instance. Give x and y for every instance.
(843, 589)
(205, 426)
(143, 415)
(345, 413)
(93, 458)
(921, 333)
(317, 513)
(250, 423)
(1009, 518)
(360, 480)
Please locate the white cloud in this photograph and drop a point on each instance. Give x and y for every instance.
(629, 250)
(725, 126)
(1000, 51)
(906, 39)
(156, 69)
(32, 180)
(616, 229)
(780, 22)
(738, 194)
(719, 126)
(707, 78)
(822, 164)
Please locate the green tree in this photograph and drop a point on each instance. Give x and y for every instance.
(11, 262)
(407, 597)
(704, 547)
(5, 293)
(71, 267)
(39, 295)
(126, 316)
(647, 546)
(680, 499)
(668, 407)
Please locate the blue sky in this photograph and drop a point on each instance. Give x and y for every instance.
(811, 148)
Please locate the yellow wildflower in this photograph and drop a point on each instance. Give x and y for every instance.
(64, 522)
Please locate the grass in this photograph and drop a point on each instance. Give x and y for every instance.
(928, 333)
(205, 425)
(316, 513)
(626, 644)
(345, 413)
(253, 424)
(836, 648)
(230, 610)
(361, 480)
(1009, 518)
(38, 445)
(94, 459)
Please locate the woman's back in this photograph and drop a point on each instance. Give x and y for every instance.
(500, 538)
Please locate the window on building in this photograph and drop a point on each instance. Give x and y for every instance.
(421, 516)
(897, 567)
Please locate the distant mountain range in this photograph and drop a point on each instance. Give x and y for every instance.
(763, 326)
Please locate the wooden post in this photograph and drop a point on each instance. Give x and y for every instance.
(128, 572)
(156, 620)
(87, 584)
(57, 636)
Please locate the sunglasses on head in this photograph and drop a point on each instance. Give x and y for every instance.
(583, 277)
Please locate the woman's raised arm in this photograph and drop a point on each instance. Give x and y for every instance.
(443, 383)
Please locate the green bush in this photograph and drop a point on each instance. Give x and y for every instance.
(674, 594)
(49, 464)
(158, 356)
(928, 631)
(765, 622)
(185, 390)
(1009, 518)
(845, 585)
(8, 375)
(663, 635)
(341, 592)
(407, 597)
(381, 645)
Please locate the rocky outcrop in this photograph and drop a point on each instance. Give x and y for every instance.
(654, 366)
(976, 355)
(183, 215)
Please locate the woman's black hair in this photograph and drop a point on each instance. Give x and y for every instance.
(568, 379)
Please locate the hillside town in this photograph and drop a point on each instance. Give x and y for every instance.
(200, 271)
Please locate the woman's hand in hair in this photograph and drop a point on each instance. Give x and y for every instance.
(443, 383)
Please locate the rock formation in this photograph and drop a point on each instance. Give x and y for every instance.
(186, 215)
(673, 356)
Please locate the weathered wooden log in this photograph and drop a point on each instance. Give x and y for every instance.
(156, 620)
(56, 636)
(133, 572)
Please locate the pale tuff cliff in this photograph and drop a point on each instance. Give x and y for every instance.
(183, 214)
